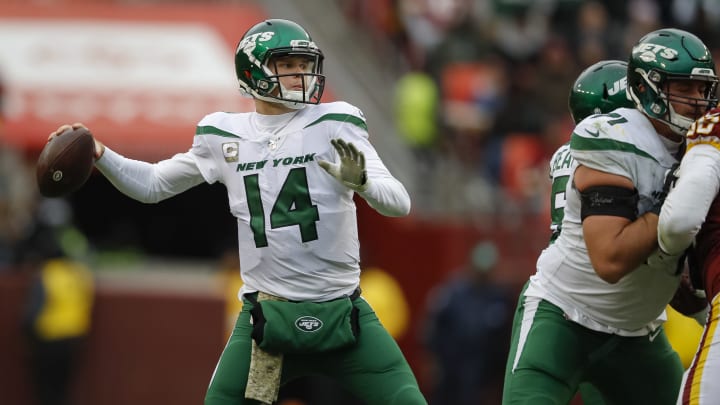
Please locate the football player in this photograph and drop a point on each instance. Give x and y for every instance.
(599, 89)
(291, 169)
(691, 216)
(592, 311)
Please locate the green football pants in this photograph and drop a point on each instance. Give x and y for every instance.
(373, 370)
(550, 356)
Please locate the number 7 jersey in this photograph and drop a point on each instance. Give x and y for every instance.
(297, 227)
(623, 143)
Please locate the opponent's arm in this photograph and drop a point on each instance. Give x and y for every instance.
(688, 202)
(697, 186)
(617, 241)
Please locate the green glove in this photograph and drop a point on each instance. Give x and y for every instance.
(351, 169)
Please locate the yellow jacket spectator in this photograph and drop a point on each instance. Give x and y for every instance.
(57, 322)
(66, 303)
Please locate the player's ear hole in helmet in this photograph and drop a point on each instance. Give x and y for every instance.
(668, 56)
(599, 89)
(277, 49)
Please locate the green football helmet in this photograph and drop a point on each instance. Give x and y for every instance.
(599, 89)
(667, 55)
(260, 47)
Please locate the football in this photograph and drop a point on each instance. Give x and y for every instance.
(65, 162)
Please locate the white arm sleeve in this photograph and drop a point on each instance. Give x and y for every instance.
(387, 195)
(149, 182)
(686, 206)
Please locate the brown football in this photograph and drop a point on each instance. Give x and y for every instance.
(65, 162)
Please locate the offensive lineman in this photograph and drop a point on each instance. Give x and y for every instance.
(599, 89)
(591, 311)
(296, 218)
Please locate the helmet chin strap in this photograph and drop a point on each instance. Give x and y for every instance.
(290, 95)
(295, 105)
(678, 123)
(295, 99)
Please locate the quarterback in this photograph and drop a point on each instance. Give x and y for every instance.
(291, 169)
(593, 310)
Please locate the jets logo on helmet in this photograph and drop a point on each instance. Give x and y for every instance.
(650, 52)
(247, 45)
(599, 89)
(261, 47)
(617, 87)
(670, 55)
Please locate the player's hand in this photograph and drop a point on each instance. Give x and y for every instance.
(706, 130)
(99, 147)
(351, 169)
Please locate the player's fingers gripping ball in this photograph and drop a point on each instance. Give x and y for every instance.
(66, 161)
(705, 130)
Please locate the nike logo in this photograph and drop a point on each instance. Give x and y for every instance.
(591, 133)
(654, 334)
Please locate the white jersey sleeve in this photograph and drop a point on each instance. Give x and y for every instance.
(561, 165)
(149, 182)
(687, 204)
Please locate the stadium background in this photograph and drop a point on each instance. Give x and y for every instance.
(465, 99)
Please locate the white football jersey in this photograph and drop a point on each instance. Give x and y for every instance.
(622, 143)
(297, 228)
(561, 165)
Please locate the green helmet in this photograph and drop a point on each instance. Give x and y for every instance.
(666, 55)
(260, 46)
(599, 89)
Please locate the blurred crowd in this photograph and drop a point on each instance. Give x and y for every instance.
(483, 89)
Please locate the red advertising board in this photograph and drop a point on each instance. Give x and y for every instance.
(139, 76)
